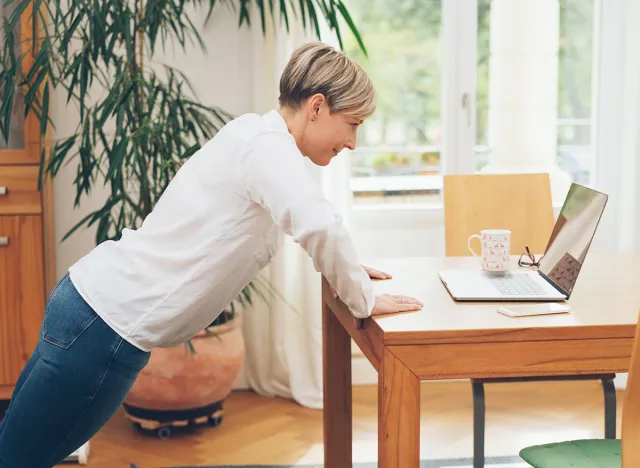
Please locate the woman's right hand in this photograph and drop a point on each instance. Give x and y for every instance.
(390, 304)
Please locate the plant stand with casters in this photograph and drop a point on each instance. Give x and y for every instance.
(164, 423)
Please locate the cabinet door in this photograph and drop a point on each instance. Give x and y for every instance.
(21, 292)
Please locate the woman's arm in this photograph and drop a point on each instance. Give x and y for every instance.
(276, 177)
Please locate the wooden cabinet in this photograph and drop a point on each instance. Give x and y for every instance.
(27, 260)
(21, 292)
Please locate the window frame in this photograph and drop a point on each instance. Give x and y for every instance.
(458, 151)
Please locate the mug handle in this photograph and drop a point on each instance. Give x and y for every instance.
(469, 244)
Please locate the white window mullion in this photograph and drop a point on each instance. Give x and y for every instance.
(459, 39)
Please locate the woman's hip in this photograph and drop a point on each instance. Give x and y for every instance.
(75, 338)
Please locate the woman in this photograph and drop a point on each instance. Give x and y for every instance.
(219, 222)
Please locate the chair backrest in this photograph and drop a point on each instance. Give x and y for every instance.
(518, 202)
(631, 409)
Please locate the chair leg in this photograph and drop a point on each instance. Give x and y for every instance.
(478, 424)
(609, 408)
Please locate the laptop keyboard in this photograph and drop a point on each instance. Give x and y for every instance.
(517, 285)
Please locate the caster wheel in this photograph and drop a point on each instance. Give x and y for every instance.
(216, 421)
(164, 433)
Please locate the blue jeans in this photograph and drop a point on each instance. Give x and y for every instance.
(76, 379)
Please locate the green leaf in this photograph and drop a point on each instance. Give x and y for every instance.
(212, 3)
(103, 229)
(347, 17)
(284, 14)
(31, 99)
(94, 216)
(44, 117)
(314, 17)
(59, 154)
(303, 13)
(7, 106)
(116, 156)
(68, 34)
(14, 19)
(84, 82)
(43, 155)
(244, 13)
(333, 22)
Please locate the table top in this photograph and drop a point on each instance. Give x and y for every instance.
(605, 304)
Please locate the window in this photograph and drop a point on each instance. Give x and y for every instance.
(576, 57)
(529, 105)
(398, 155)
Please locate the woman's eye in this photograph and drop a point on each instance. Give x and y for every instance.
(354, 125)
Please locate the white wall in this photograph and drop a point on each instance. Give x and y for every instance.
(221, 78)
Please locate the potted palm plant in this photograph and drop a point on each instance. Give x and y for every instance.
(156, 124)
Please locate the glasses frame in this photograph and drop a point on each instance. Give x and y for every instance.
(531, 262)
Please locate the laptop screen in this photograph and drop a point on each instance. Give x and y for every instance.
(572, 236)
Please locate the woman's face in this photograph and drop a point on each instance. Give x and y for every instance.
(326, 134)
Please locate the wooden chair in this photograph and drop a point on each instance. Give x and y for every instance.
(522, 204)
(623, 453)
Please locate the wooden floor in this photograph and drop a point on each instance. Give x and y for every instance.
(262, 430)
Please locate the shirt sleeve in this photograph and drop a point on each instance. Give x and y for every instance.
(277, 178)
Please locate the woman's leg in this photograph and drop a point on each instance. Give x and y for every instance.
(26, 371)
(82, 372)
(33, 359)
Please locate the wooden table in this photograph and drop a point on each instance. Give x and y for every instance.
(449, 340)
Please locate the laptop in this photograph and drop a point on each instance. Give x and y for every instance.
(558, 271)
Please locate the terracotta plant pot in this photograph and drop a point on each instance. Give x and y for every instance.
(177, 379)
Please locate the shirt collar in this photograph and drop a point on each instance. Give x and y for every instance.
(275, 120)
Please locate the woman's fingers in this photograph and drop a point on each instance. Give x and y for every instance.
(376, 274)
(409, 300)
(402, 299)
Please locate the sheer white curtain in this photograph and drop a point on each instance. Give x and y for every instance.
(617, 119)
(284, 341)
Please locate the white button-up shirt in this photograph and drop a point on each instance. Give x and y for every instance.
(220, 221)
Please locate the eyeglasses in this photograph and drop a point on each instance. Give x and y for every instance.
(528, 259)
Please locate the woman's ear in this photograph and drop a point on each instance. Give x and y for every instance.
(315, 104)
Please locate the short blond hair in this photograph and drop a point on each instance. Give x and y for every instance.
(319, 68)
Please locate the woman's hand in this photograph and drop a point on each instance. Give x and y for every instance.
(376, 274)
(373, 274)
(390, 304)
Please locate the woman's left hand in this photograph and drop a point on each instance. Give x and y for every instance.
(376, 274)
(373, 274)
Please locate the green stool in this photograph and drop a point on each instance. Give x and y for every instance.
(597, 453)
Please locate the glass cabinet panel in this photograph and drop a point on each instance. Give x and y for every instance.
(17, 130)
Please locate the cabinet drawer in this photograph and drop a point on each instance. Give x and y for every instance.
(19, 190)
(21, 292)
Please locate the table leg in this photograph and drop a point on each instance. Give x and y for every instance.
(336, 350)
(398, 414)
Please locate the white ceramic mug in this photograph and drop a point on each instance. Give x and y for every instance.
(496, 249)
